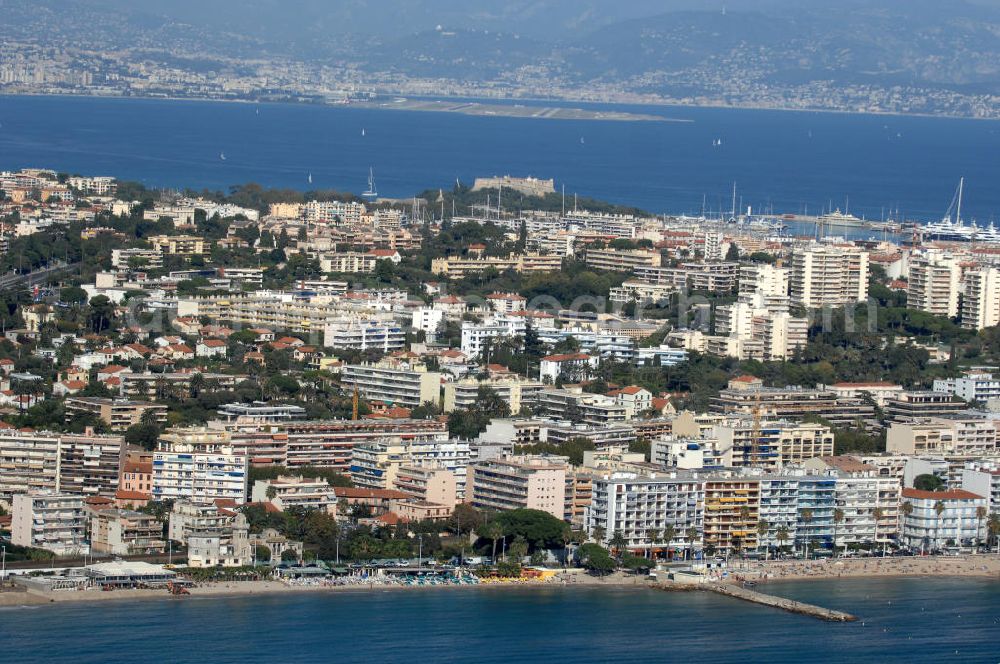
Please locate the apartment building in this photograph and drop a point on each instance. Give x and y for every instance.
(124, 259)
(349, 262)
(456, 268)
(935, 283)
(120, 414)
(376, 465)
(198, 464)
(645, 509)
(531, 482)
(764, 279)
(179, 245)
(576, 406)
(953, 434)
(49, 520)
(516, 392)
(476, 335)
(938, 519)
(982, 478)
(215, 536)
(912, 405)
(621, 260)
(824, 276)
(775, 445)
(288, 491)
(430, 484)
(325, 443)
(976, 385)
(84, 464)
(385, 382)
(364, 334)
(981, 299)
(120, 532)
(732, 510)
(746, 393)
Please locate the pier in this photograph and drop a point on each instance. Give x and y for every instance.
(782, 603)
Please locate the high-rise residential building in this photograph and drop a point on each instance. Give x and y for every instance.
(125, 532)
(975, 385)
(654, 511)
(732, 511)
(531, 482)
(934, 284)
(198, 464)
(285, 492)
(85, 464)
(376, 465)
(942, 518)
(981, 299)
(823, 276)
(56, 522)
(715, 246)
(397, 386)
(775, 444)
(763, 279)
(431, 484)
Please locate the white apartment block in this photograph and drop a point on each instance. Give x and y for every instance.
(957, 524)
(316, 212)
(475, 334)
(285, 492)
(763, 279)
(85, 464)
(983, 479)
(198, 464)
(979, 386)
(516, 392)
(943, 435)
(364, 334)
(824, 276)
(935, 283)
(407, 388)
(56, 522)
(981, 299)
(376, 465)
(636, 505)
(530, 482)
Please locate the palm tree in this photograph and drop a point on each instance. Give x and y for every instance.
(653, 535)
(838, 518)
(878, 513)
(907, 509)
(692, 535)
(493, 531)
(807, 516)
(981, 513)
(938, 510)
(669, 533)
(567, 537)
(993, 528)
(781, 535)
(618, 543)
(762, 529)
(598, 533)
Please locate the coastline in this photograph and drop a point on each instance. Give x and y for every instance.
(537, 103)
(986, 566)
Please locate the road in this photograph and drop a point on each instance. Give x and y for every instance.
(37, 277)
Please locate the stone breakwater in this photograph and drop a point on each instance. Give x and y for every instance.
(782, 603)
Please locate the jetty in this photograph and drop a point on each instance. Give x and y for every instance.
(790, 605)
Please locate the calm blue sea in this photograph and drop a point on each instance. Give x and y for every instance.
(905, 620)
(785, 161)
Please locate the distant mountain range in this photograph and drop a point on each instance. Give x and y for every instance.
(645, 46)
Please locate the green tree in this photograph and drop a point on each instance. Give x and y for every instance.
(928, 482)
(618, 543)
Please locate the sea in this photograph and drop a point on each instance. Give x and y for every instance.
(901, 620)
(874, 166)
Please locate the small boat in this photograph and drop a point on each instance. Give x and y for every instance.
(310, 178)
(362, 132)
(222, 156)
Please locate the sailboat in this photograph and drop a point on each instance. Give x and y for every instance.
(310, 178)
(372, 193)
(362, 131)
(222, 156)
(951, 227)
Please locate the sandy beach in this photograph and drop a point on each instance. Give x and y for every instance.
(986, 565)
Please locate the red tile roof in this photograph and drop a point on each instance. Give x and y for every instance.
(954, 494)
